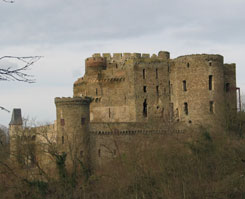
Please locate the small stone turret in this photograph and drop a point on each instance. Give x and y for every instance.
(94, 64)
(15, 128)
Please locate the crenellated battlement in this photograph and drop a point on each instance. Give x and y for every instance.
(123, 56)
(60, 101)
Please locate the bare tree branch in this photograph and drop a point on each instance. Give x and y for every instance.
(4, 109)
(18, 74)
(9, 1)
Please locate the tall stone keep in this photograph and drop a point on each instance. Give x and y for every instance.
(73, 127)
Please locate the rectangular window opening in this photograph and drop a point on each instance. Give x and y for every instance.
(186, 108)
(145, 108)
(211, 107)
(169, 87)
(109, 112)
(83, 120)
(99, 153)
(227, 87)
(210, 82)
(62, 122)
(63, 140)
(144, 89)
(157, 90)
(156, 73)
(184, 86)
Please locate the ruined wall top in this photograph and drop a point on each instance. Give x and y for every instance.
(72, 101)
(202, 57)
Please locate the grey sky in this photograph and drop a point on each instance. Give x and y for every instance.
(66, 32)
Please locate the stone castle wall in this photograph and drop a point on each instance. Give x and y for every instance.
(122, 96)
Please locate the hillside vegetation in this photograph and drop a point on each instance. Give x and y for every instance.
(185, 166)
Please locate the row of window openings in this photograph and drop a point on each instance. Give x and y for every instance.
(186, 110)
(209, 63)
(185, 85)
(62, 121)
(210, 84)
(227, 86)
(211, 107)
(188, 65)
(156, 72)
(145, 89)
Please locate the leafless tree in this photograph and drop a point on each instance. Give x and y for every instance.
(11, 73)
(18, 74)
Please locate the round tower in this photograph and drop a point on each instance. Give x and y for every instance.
(73, 127)
(197, 89)
(94, 64)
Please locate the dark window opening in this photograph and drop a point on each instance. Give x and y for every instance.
(144, 89)
(211, 107)
(157, 89)
(156, 73)
(169, 88)
(145, 108)
(143, 73)
(63, 140)
(227, 87)
(109, 112)
(62, 122)
(96, 91)
(188, 65)
(99, 153)
(184, 86)
(116, 66)
(210, 80)
(81, 154)
(83, 120)
(186, 108)
(210, 63)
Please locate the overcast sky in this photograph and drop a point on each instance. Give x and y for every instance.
(65, 32)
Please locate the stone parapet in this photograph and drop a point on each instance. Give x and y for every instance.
(72, 101)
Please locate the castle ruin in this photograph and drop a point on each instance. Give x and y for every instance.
(122, 95)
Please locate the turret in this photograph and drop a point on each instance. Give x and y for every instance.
(94, 64)
(15, 128)
(73, 127)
